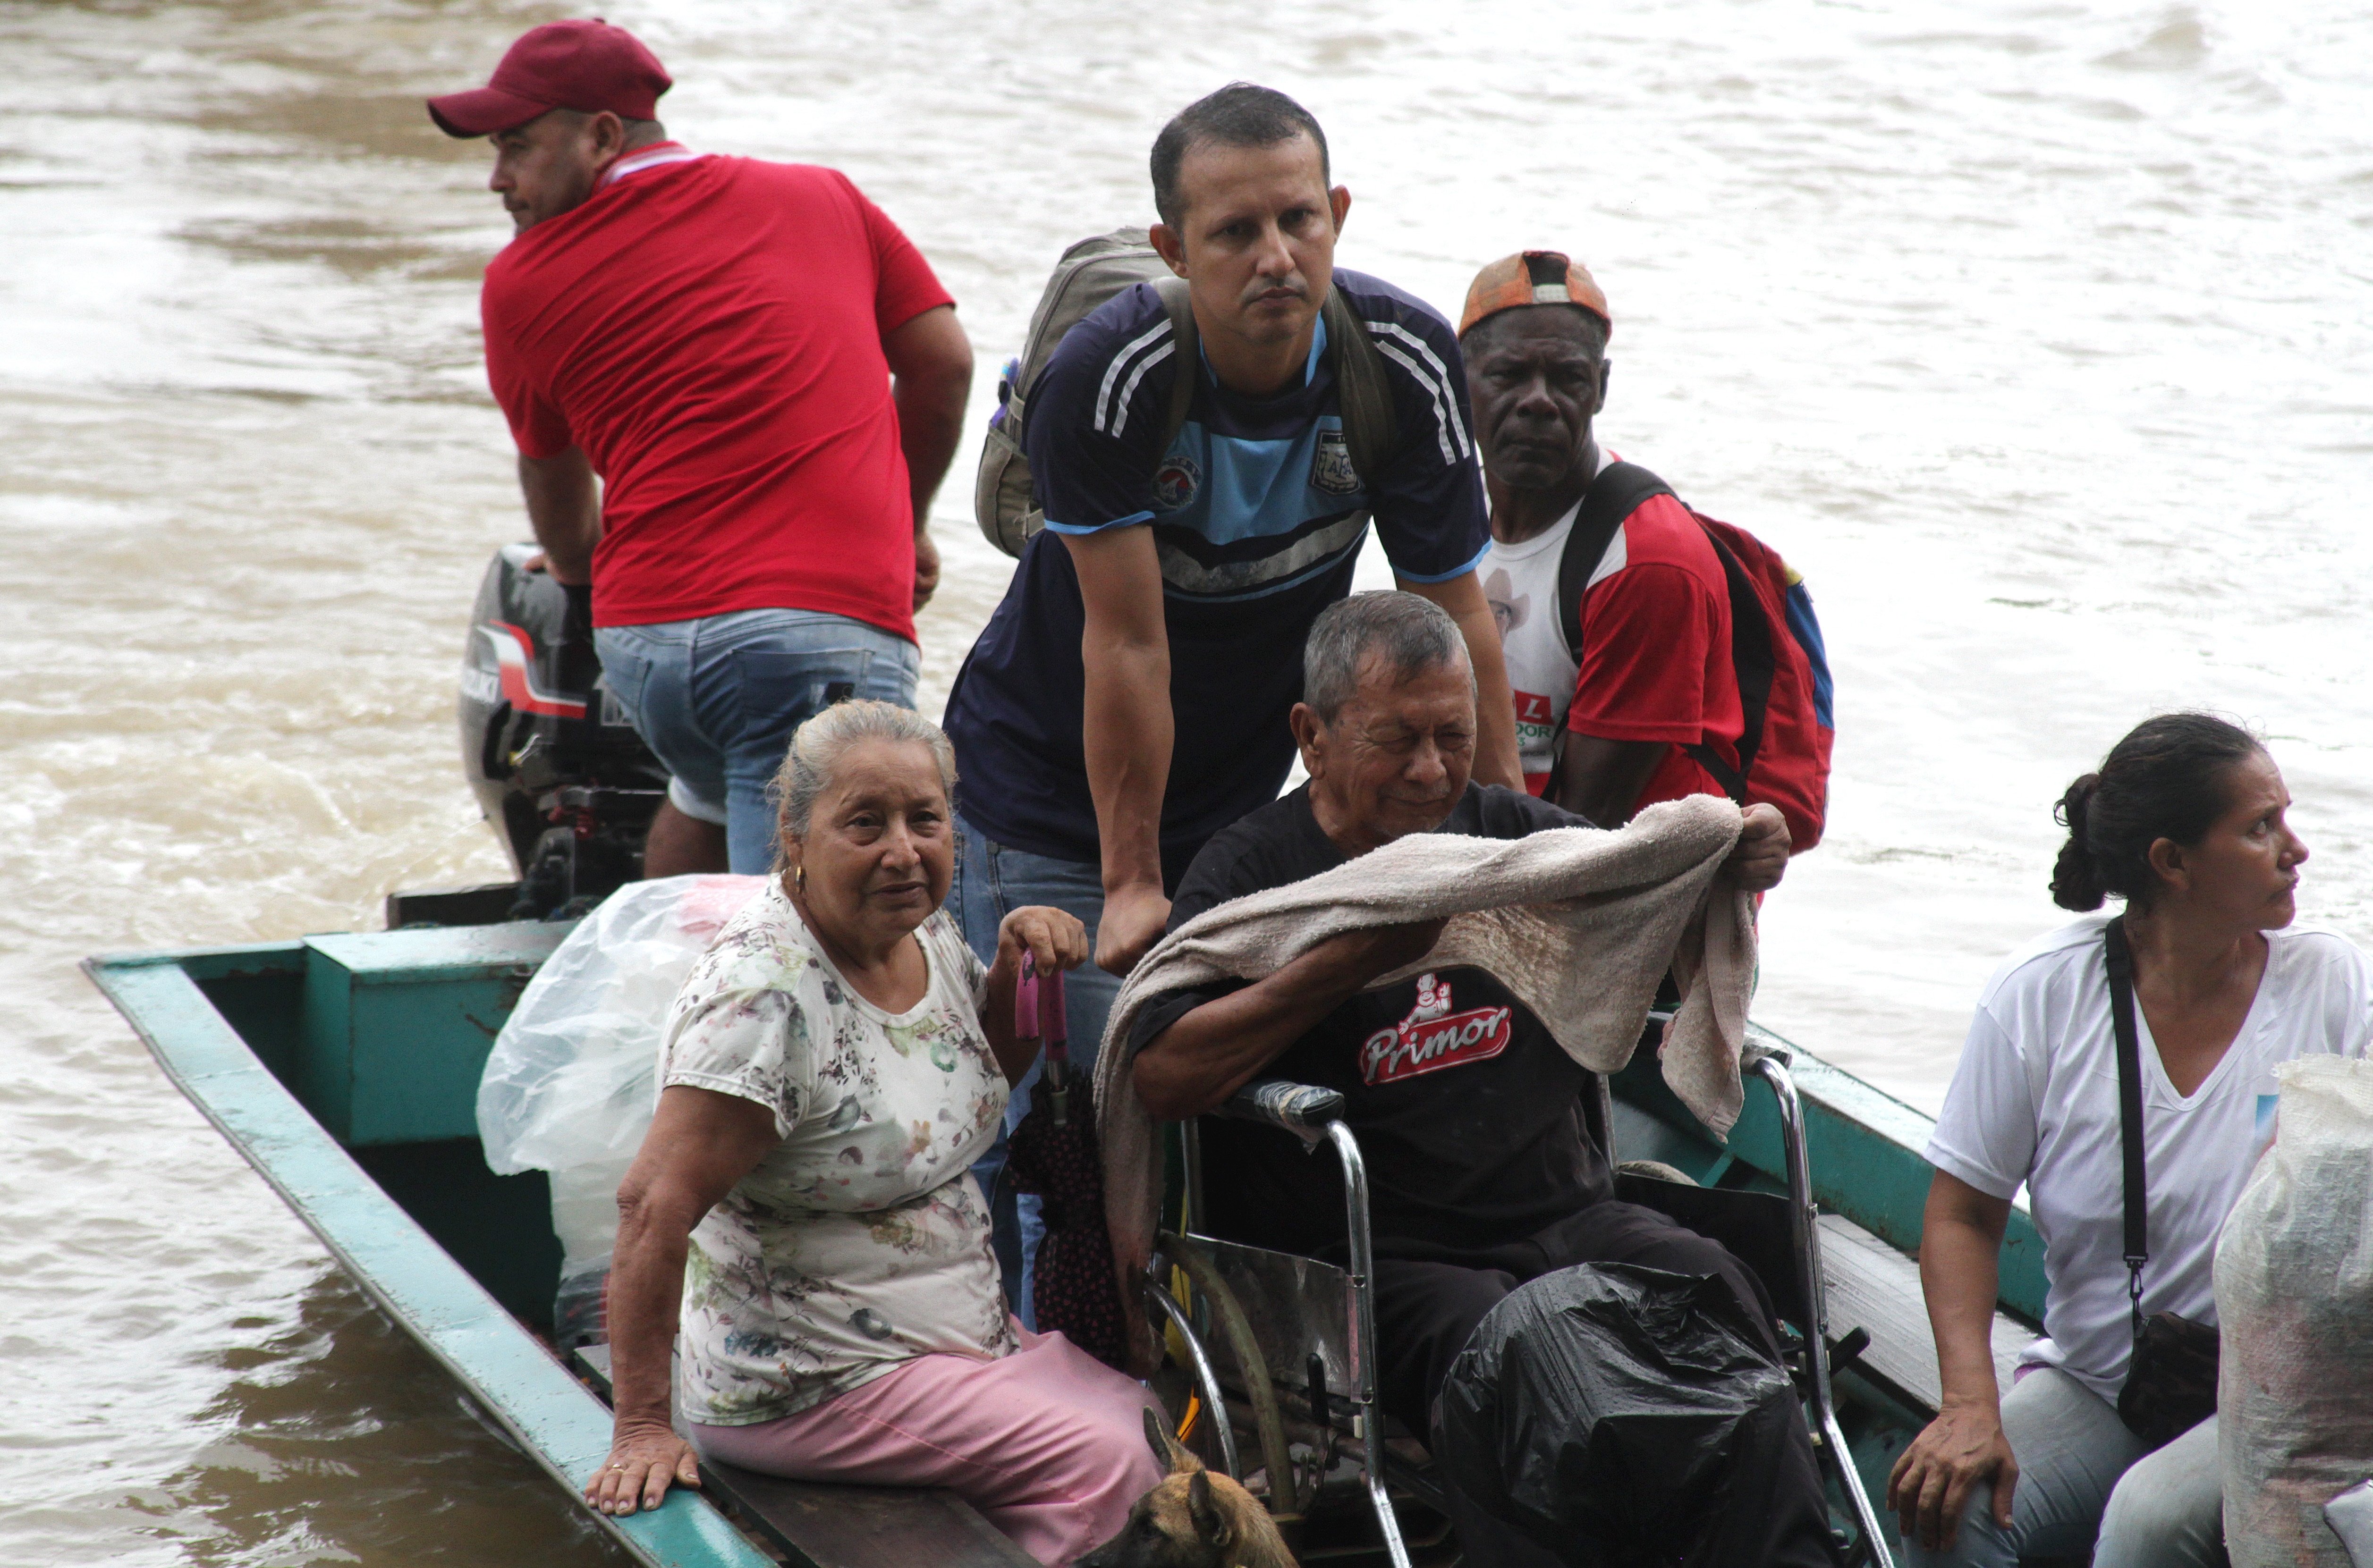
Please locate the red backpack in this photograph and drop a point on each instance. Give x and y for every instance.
(1784, 691)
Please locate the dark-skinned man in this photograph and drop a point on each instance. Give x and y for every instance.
(1480, 1176)
(1655, 675)
(734, 387)
(1128, 699)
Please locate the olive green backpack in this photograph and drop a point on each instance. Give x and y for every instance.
(1091, 272)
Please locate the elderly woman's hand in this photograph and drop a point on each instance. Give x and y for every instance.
(643, 1459)
(1760, 858)
(1058, 941)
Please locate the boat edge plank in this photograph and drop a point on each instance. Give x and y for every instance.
(555, 1418)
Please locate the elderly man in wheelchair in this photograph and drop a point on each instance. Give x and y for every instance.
(1479, 1168)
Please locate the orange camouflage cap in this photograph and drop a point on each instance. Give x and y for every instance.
(1533, 277)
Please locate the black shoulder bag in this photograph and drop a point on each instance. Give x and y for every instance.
(2172, 1385)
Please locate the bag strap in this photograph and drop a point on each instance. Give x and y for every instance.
(1370, 428)
(1753, 662)
(1618, 491)
(2130, 1110)
(1186, 352)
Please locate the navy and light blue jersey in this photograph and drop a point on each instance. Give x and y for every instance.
(1257, 515)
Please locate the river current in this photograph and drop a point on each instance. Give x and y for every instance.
(2037, 335)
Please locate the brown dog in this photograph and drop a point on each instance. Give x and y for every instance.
(1193, 1519)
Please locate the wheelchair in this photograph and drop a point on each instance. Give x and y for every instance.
(1276, 1345)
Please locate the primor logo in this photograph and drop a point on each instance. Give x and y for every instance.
(1433, 1037)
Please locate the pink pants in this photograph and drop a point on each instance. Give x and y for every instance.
(1047, 1443)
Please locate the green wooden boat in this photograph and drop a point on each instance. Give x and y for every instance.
(345, 1068)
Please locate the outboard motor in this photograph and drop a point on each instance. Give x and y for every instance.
(548, 752)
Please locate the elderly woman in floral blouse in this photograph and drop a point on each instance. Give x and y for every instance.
(800, 1213)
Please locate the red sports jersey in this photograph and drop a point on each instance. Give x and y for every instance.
(1656, 649)
(710, 333)
(1657, 657)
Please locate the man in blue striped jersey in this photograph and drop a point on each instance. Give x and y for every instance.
(1129, 699)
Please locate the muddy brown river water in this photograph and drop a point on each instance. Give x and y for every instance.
(2039, 336)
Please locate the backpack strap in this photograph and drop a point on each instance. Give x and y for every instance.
(1618, 491)
(1186, 351)
(1370, 428)
(2130, 1110)
(1754, 662)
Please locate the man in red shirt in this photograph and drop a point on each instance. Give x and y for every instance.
(767, 382)
(1656, 677)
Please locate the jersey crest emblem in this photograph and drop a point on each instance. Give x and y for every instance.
(1434, 1037)
(1175, 482)
(1330, 466)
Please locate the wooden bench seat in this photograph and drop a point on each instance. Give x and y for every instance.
(1871, 1285)
(819, 1525)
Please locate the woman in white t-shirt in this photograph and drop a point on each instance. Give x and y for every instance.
(2185, 823)
(801, 1224)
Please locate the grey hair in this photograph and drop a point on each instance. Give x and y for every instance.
(818, 747)
(1409, 632)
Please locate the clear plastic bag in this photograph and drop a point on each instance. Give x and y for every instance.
(2295, 1305)
(568, 1087)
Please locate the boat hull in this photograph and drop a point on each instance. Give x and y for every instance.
(554, 1418)
(345, 1069)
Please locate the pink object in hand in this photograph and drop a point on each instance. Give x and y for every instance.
(1038, 1015)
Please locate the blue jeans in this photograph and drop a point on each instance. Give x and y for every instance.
(992, 881)
(717, 700)
(2084, 1481)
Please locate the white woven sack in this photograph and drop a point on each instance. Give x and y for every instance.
(2295, 1303)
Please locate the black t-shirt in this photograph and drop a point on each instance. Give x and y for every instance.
(1467, 1112)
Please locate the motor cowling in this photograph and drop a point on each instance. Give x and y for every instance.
(558, 771)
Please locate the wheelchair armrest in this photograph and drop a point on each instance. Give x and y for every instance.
(1304, 1109)
(1760, 1042)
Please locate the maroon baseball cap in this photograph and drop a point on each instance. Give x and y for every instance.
(589, 66)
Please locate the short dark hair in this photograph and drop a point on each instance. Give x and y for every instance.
(1238, 115)
(1409, 633)
(1592, 327)
(639, 133)
(2168, 779)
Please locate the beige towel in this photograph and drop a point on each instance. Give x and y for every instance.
(1580, 925)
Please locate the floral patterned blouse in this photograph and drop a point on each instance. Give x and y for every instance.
(861, 1240)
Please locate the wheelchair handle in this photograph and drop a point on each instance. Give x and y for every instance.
(1304, 1109)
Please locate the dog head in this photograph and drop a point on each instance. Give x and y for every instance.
(1192, 1519)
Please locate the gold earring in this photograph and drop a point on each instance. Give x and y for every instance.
(799, 877)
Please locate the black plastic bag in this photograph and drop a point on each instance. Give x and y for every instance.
(1596, 1408)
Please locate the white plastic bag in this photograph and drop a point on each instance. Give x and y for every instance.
(2295, 1305)
(568, 1087)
